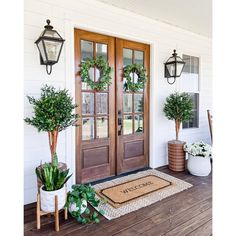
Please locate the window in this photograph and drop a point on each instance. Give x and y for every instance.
(190, 83)
(193, 123)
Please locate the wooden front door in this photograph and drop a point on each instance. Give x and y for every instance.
(95, 137)
(132, 109)
(113, 134)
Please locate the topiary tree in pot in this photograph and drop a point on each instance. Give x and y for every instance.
(178, 107)
(53, 112)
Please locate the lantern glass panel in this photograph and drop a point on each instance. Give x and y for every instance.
(52, 49)
(171, 69)
(179, 69)
(51, 34)
(42, 52)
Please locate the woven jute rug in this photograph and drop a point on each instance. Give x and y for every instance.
(132, 192)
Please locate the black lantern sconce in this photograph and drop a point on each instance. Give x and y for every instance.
(49, 44)
(174, 67)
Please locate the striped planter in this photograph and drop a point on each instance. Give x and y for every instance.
(176, 155)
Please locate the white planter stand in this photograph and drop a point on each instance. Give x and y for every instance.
(199, 166)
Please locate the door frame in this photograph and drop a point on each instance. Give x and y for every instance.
(70, 25)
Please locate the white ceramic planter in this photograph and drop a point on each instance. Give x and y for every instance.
(47, 199)
(199, 166)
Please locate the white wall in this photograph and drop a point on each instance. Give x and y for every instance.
(98, 17)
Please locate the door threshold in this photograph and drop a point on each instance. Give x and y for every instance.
(118, 176)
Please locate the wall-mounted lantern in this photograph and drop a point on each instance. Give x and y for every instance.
(49, 44)
(174, 67)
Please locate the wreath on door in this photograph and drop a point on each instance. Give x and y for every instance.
(142, 77)
(104, 79)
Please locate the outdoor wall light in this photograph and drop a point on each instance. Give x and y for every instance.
(173, 67)
(49, 44)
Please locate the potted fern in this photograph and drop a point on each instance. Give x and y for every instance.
(178, 107)
(53, 112)
(53, 184)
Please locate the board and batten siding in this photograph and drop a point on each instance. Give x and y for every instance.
(99, 17)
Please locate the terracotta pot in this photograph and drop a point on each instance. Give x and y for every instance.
(176, 155)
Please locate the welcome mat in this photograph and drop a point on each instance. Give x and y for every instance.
(132, 192)
(122, 193)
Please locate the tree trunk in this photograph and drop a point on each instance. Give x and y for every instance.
(177, 127)
(53, 143)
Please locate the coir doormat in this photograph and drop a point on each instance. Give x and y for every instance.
(123, 193)
(132, 192)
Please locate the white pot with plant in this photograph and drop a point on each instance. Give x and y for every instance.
(199, 154)
(53, 180)
(77, 203)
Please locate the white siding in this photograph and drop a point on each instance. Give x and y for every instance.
(98, 17)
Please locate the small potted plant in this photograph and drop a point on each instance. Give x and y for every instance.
(53, 112)
(53, 184)
(178, 107)
(77, 203)
(199, 154)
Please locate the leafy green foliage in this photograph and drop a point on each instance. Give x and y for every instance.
(51, 177)
(103, 67)
(141, 73)
(76, 196)
(53, 110)
(179, 107)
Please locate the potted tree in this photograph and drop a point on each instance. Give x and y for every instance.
(53, 112)
(178, 107)
(199, 154)
(53, 184)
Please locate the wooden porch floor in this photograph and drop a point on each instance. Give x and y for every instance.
(186, 213)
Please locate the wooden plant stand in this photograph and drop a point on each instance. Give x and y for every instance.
(40, 213)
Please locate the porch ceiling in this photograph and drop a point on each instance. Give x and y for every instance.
(192, 15)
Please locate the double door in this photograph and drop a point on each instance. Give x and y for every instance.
(113, 132)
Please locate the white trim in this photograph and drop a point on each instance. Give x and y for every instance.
(152, 103)
(70, 132)
(70, 85)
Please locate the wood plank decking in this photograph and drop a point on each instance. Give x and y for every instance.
(186, 213)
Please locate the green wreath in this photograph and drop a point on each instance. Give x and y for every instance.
(102, 66)
(142, 77)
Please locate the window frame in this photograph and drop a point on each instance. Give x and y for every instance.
(196, 91)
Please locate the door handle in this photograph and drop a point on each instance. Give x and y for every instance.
(119, 122)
